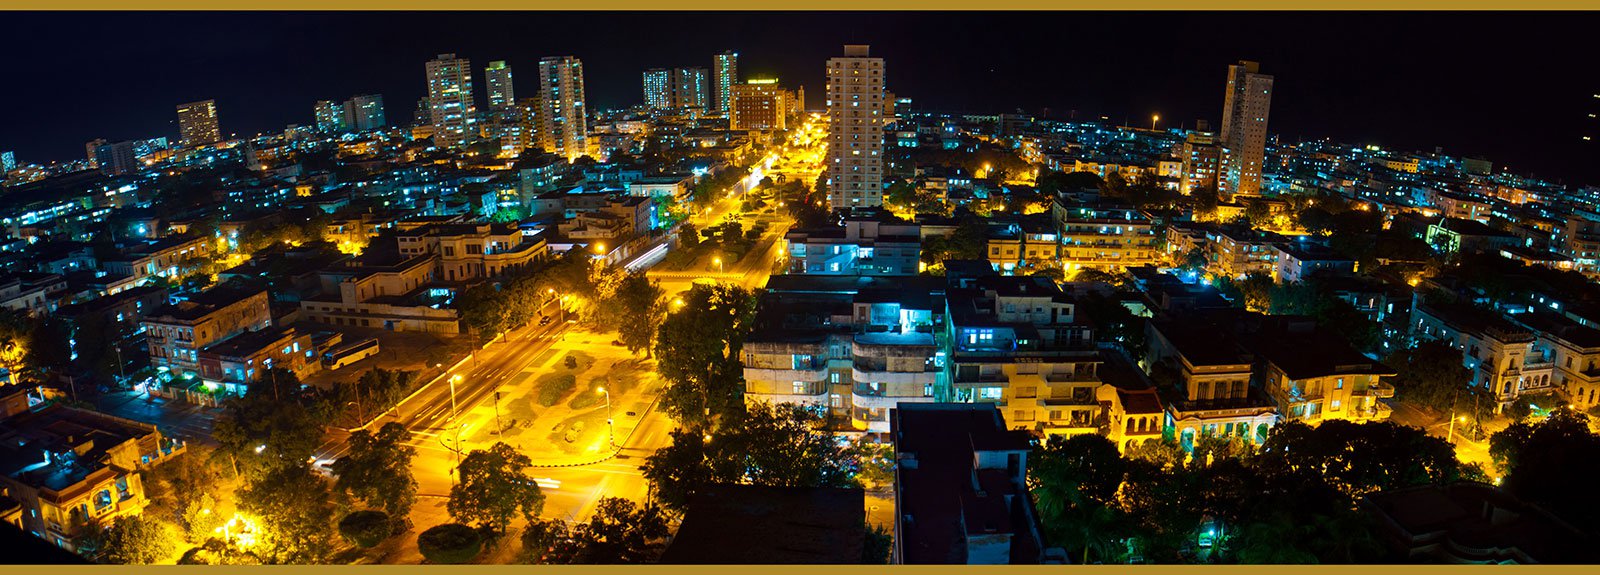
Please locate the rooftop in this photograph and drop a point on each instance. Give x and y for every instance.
(757, 525)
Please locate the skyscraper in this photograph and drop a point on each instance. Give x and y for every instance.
(117, 159)
(726, 67)
(91, 148)
(1244, 129)
(450, 108)
(658, 88)
(364, 112)
(497, 77)
(8, 162)
(691, 88)
(330, 116)
(759, 105)
(563, 127)
(855, 129)
(197, 123)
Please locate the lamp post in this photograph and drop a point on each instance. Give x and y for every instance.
(1153, 119)
(611, 433)
(453, 414)
(718, 261)
(1453, 420)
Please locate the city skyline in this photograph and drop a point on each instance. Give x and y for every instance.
(1333, 89)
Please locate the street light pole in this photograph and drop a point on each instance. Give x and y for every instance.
(453, 422)
(611, 432)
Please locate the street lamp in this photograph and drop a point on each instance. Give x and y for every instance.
(717, 261)
(1153, 119)
(453, 379)
(611, 432)
(1452, 434)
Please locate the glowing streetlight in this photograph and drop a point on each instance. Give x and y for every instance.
(453, 379)
(1153, 119)
(717, 261)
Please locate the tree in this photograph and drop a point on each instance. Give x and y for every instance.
(201, 517)
(494, 485)
(377, 469)
(619, 532)
(773, 445)
(366, 529)
(296, 513)
(1358, 458)
(138, 540)
(639, 307)
(878, 547)
(1430, 374)
(697, 352)
(271, 426)
(1549, 461)
(1074, 482)
(539, 540)
(449, 544)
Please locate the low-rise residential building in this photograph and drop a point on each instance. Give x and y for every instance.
(1238, 251)
(960, 488)
(165, 257)
(864, 245)
(1468, 236)
(1017, 341)
(1027, 243)
(231, 365)
(1574, 351)
(1313, 375)
(177, 332)
(1205, 378)
(383, 291)
(1300, 260)
(31, 293)
(854, 346)
(69, 468)
(1501, 354)
(1105, 237)
(467, 252)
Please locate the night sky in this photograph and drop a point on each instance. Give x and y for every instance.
(1516, 88)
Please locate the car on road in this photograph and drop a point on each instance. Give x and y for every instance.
(544, 321)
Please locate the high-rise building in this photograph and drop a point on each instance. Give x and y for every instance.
(197, 123)
(90, 148)
(497, 77)
(855, 129)
(364, 112)
(450, 108)
(423, 116)
(117, 159)
(8, 161)
(330, 116)
(1201, 157)
(563, 127)
(691, 88)
(1244, 129)
(658, 88)
(677, 88)
(759, 104)
(726, 67)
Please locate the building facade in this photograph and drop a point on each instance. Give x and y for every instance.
(1244, 129)
(197, 123)
(725, 70)
(854, 166)
(450, 108)
(563, 120)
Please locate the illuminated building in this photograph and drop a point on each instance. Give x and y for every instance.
(8, 161)
(725, 66)
(66, 467)
(1244, 129)
(676, 88)
(1202, 158)
(563, 123)
(330, 116)
(450, 109)
(176, 333)
(759, 105)
(365, 112)
(197, 123)
(1105, 237)
(116, 159)
(658, 88)
(497, 78)
(864, 245)
(855, 129)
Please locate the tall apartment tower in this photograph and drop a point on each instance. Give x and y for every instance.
(562, 117)
(725, 66)
(855, 130)
(691, 88)
(497, 78)
(450, 108)
(330, 116)
(1244, 129)
(364, 112)
(658, 88)
(197, 123)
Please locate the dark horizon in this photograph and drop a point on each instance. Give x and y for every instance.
(1514, 88)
